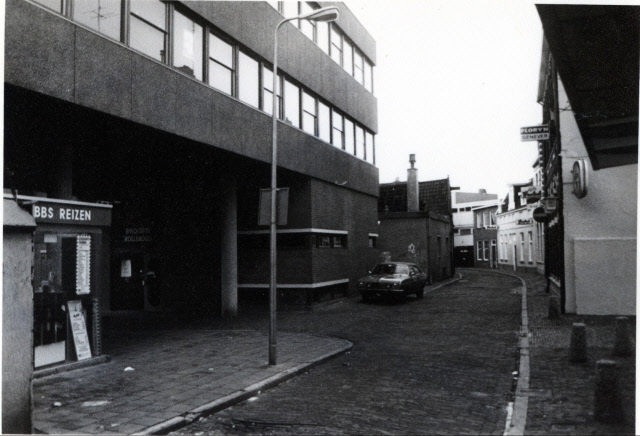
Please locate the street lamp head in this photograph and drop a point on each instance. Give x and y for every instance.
(330, 13)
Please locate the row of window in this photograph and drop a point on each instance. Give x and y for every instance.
(216, 60)
(485, 219)
(482, 249)
(331, 40)
(297, 241)
(525, 247)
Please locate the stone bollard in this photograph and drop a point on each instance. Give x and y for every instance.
(554, 307)
(578, 344)
(606, 405)
(622, 345)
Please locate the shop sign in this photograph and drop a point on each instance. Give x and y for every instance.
(550, 204)
(70, 213)
(137, 234)
(579, 174)
(79, 329)
(83, 264)
(523, 222)
(534, 133)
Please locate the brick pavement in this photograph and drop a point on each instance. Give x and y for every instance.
(175, 373)
(561, 394)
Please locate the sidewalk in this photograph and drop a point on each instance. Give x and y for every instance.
(561, 394)
(175, 376)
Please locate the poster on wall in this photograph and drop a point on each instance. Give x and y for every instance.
(83, 264)
(79, 329)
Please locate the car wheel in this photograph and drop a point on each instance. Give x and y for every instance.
(420, 293)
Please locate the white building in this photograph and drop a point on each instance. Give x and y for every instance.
(462, 205)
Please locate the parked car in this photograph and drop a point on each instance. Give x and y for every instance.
(393, 279)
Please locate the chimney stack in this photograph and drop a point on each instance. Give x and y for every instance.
(412, 186)
(482, 191)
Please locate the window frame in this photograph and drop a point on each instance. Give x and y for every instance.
(234, 61)
(164, 53)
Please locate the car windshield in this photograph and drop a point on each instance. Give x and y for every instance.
(390, 268)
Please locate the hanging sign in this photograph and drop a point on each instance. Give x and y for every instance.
(79, 329)
(579, 174)
(540, 215)
(534, 133)
(83, 264)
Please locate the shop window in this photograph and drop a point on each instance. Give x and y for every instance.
(104, 16)
(360, 142)
(148, 28)
(373, 241)
(324, 122)
(348, 57)
(324, 241)
(221, 64)
(338, 130)
(309, 114)
(291, 104)
(369, 156)
(485, 250)
(249, 80)
(349, 136)
(336, 45)
(187, 46)
(338, 241)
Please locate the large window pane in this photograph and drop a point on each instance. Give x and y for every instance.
(187, 46)
(336, 45)
(56, 5)
(308, 113)
(358, 67)
(368, 76)
(322, 31)
(147, 39)
(369, 146)
(104, 16)
(338, 128)
(307, 27)
(349, 137)
(348, 57)
(221, 64)
(359, 142)
(221, 51)
(324, 122)
(290, 10)
(291, 104)
(248, 80)
(267, 96)
(153, 11)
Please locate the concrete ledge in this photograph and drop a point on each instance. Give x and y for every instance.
(241, 395)
(37, 374)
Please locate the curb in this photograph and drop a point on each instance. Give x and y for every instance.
(517, 414)
(38, 374)
(442, 285)
(240, 395)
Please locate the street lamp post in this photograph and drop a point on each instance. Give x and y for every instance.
(323, 14)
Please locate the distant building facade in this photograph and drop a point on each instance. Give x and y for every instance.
(485, 236)
(462, 204)
(415, 224)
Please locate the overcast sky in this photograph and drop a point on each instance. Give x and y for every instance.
(455, 81)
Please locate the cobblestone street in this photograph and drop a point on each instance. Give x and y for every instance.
(439, 365)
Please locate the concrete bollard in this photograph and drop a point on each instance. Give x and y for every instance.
(622, 345)
(578, 344)
(607, 407)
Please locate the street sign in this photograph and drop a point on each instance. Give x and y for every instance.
(282, 207)
(534, 133)
(540, 215)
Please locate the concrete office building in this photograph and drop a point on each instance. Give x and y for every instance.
(156, 116)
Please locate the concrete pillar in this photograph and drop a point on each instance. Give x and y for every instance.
(606, 405)
(229, 248)
(578, 344)
(413, 197)
(622, 345)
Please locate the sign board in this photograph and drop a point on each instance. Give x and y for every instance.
(50, 211)
(579, 175)
(282, 207)
(524, 222)
(540, 215)
(79, 330)
(534, 133)
(83, 264)
(550, 204)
